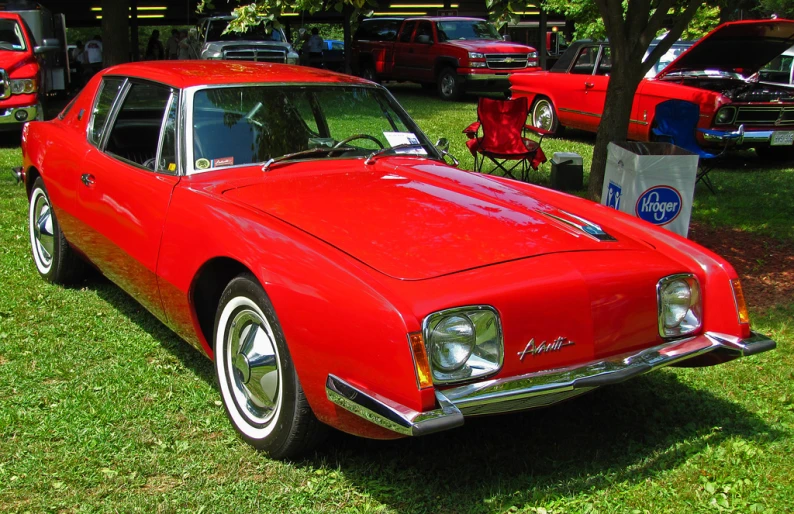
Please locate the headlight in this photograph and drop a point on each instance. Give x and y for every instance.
(478, 65)
(532, 55)
(212, 54)
(20, 86)
(680, 311)
(293, 58)
(476, 55)
(725, 116)
(463, 343)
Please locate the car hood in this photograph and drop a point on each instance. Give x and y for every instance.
(488, 45)
(11, 60)
(741, 46)
(417, 221)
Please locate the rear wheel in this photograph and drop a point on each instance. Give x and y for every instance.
(55, 260)
(450, 85)
(544, 115)
(776, 153)
(368, 72)
(256, 377)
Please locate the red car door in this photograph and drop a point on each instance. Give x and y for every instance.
(578, 104)
(126, 186)
(403, 55)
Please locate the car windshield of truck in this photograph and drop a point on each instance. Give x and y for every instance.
(467, 29)
(215, 33)
(11, 37)
(255, 124)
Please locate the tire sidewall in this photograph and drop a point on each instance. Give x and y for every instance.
(555, 122)
(47, 272)
(245, 293)
(456, 90)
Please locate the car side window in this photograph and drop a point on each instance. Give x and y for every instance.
(405, 33)
(585, 61)
(109, 90)
(134, 134)
(425, 28)
(166, 163)
(605, 64)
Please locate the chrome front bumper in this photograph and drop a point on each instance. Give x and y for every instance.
(749, 137)
(10, 115)
(534, 389)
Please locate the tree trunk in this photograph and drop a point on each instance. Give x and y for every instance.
(614, 125)
(115, 31)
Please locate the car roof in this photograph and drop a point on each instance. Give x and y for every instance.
(182, 74)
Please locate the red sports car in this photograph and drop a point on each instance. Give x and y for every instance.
(298, 228)
(711, 73)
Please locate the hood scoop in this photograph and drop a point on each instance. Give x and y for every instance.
(578, 225)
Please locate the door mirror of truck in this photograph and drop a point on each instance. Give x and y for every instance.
(424, 39)
(47, 45)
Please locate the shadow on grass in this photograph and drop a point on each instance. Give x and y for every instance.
(625, 433)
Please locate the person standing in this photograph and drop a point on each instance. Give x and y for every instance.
(315, 47)
(93, 56)
(172, 45)
(188, 45)
(154, 48)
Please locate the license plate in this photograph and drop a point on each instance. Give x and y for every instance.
(782, 138)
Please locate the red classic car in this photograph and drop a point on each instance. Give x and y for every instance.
(296, 226)
(712, 73)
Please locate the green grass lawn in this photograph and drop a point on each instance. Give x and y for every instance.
(103, 409)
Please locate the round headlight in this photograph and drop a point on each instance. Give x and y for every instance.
(451, 342)
(725, 115)
(676, 299)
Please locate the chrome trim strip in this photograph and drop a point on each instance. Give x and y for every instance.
(475, 77)
(390, 415)
(454, 402)
(574, 111)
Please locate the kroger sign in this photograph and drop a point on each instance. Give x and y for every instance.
(659, 205)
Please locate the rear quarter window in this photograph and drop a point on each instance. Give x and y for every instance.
(378, 30)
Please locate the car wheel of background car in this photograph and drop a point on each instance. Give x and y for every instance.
(368, 72)
(775, 153)
(450, 85)
(256, 377)
(55, 260)
(544, 116)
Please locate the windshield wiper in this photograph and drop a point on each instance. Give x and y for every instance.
(308, 151)
(373, 156)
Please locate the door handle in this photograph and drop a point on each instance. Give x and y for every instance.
(87, 179)
(588, 85)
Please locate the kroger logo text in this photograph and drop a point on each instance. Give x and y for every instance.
(659, 205)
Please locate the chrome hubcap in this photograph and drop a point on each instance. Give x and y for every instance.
(43, 230)
(254, 364)
(447, 84)
(543, 116)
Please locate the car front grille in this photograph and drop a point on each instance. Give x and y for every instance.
(257, 54)
(777, 116)
(5, 87)
(506, 61)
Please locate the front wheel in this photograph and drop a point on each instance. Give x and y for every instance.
(450, 85)
(544, 116)
(256, 377)
(55, 260)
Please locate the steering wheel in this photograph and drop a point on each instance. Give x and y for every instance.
(358, 136)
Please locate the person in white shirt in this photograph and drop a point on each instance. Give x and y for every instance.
(315, 46)
(93, 56)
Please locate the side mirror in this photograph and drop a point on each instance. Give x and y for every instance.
(47, 45)
(442, 145)
(424, 39)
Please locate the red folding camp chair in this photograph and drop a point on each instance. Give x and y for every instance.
(504, 127)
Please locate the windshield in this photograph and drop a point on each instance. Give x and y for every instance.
(669, 56)
(11, 36)
(216, 27)
(466, 29)
(254, 124)
(779, 69)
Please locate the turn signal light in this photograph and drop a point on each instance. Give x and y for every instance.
(741, 306)
(421, 362)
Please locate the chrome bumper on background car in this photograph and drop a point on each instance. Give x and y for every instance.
(534, 389)
(749, 137)
(18, 115)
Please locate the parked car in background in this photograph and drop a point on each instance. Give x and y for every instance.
(780, 69)
(334, 55)
(671, 55)
(452, 55)
(714, 73)
(30, 66)
(297, 227)
(256, 44)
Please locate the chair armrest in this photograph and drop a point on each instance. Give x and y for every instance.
(537, 130)
(471, 130)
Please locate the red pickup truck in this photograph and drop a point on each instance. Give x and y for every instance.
(454, 55)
